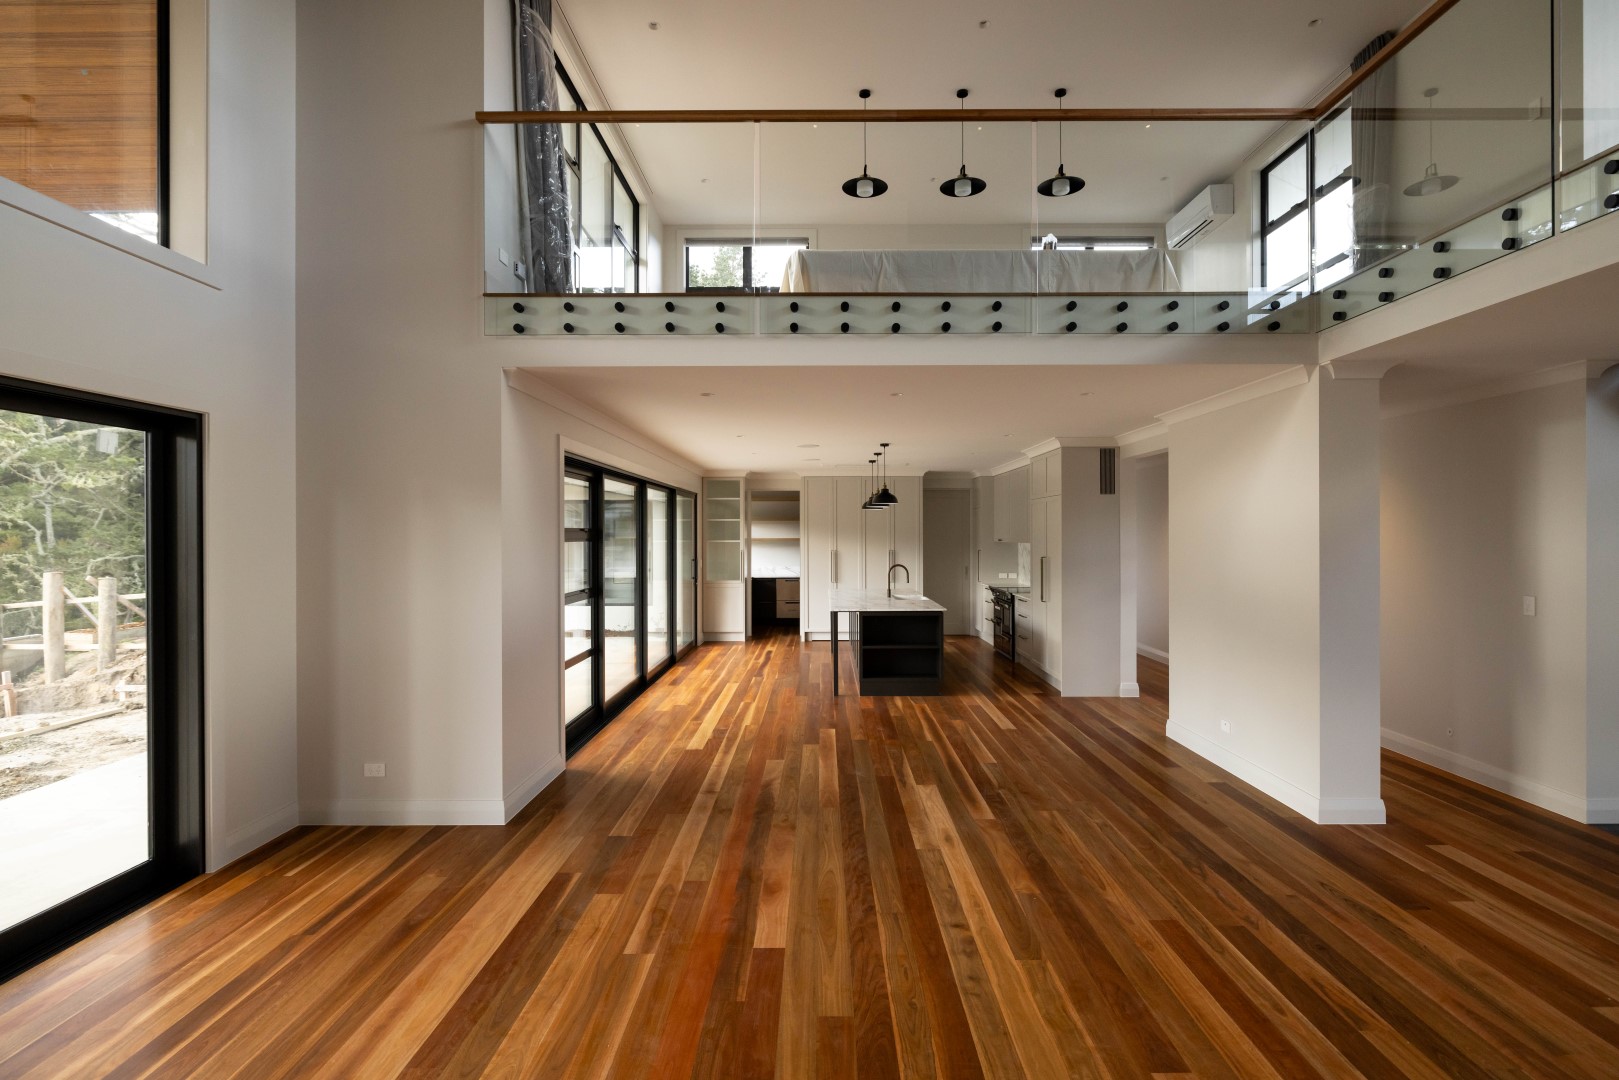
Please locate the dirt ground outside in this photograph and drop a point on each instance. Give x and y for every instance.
(32, 761)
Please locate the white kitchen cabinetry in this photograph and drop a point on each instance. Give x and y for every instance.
(1012, 506)
(1044, 650)
(1045, 476)
(895, 536)
(848, 546)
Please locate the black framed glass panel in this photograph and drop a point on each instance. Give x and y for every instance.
(628, 606)
(659, 640)
(100, 619)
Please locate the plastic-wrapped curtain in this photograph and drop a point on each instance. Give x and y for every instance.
(542, 158)
(1371, 154)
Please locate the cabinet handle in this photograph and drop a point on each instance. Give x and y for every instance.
(1042, 579)
(834, 566)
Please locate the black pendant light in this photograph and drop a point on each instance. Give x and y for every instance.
(1062, 183)
(1432, 182)
(961, 186)
(884, 498)
(864, 186)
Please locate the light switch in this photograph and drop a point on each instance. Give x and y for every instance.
(1529, 605)
(505, 257)
(375, 769)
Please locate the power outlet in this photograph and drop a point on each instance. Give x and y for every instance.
(1225, 727)
(374, 769)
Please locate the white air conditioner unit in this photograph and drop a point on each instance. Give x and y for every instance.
(1212, 205)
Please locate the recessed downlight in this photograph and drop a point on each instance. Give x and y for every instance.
(706, 393)
(809, 446)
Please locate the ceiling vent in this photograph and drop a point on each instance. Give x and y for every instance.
(1212, 205)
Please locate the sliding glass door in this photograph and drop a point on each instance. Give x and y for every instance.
(579, 653)
(628, 605)
(100, 733)
(621, 594)
(659, 639)
(685, 571)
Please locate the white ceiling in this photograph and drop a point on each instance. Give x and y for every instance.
(712, 54)
(949, 419)
(717, 54)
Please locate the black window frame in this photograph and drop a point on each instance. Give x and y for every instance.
(581, 729)
(175, 724)
(1314, 193)
(1267, 226)
(633, 244)
(747, 245)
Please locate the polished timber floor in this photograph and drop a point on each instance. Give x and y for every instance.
(743, 877)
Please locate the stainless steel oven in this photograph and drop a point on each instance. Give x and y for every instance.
(1005, 625)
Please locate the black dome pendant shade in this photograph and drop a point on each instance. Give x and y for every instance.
(884, 498)
(1062, 183)
(864, 186)
(961, 187)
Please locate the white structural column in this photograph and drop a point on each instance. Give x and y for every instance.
(1602, 593)
(1350, 546)
(1273, 589)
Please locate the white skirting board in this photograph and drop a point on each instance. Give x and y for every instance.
(253, 835)
(1152, 653)
(1129, 689)
(1568, 804)
(526, 789)
(1319, 810)
(407, 812)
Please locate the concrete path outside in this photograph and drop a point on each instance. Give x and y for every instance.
(60, 839)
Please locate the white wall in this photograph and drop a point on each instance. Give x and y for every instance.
(84, 314)
(1602, 593)
(427, 487)
(1483, 504)
(1091, 578)
(1272, 597)
(1152, 555)
(539, 427)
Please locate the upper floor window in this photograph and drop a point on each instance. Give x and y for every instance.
(82, 107)
(1305, 242)
(755, 265)
(604, 214)
(1095, 243)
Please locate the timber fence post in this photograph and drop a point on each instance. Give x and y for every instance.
(107, 622)
(53, 618)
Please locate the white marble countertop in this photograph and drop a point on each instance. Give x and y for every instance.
(878, 600)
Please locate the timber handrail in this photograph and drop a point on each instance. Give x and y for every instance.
(1325, 104)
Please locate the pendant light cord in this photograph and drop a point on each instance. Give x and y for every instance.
(865, 163)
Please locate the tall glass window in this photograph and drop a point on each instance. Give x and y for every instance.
(620, 585)
(81, 106)
(658, 642)
(629, 600)
(606, 215)
(1285, 208)
(100, 734)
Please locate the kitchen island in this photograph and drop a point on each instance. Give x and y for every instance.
(899, 643)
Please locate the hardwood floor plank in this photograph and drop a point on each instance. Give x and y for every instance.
(744, 876)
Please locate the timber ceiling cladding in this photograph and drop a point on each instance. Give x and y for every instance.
(78, 101)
